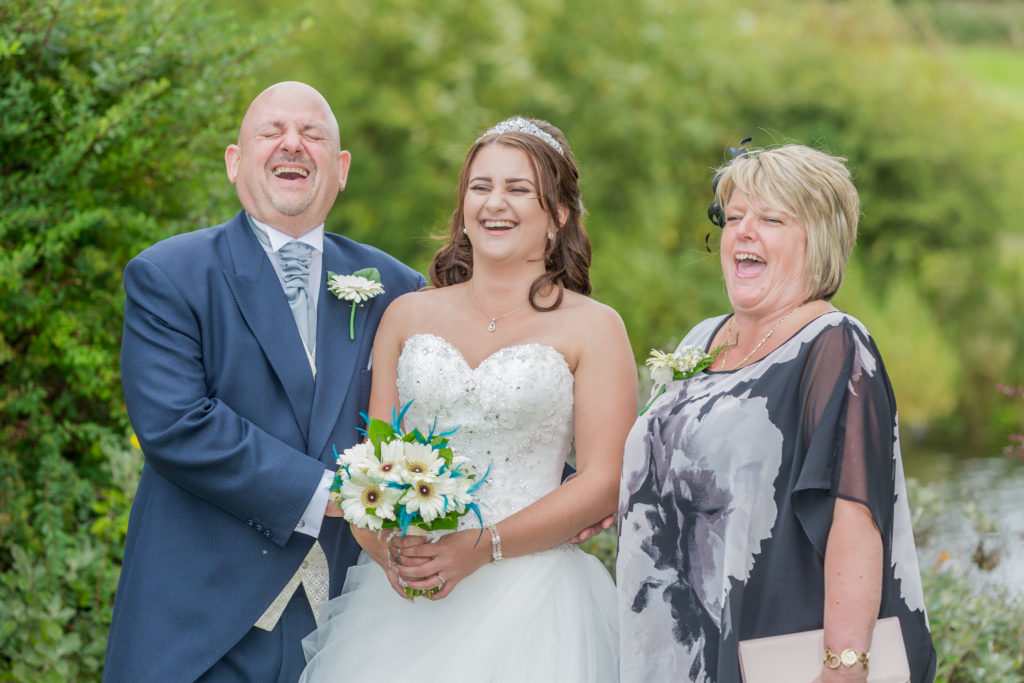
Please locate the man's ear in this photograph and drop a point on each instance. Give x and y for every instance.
(232, 157)
(344, 161)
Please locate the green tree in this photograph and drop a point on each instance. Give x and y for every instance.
(112, 121)
(650, 95)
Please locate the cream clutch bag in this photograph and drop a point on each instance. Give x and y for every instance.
(797, 657)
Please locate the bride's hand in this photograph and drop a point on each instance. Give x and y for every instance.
(386, 548)
(444, 563)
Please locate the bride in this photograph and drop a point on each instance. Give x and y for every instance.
(508, 348)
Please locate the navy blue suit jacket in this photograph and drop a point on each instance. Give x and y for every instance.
(236, 435)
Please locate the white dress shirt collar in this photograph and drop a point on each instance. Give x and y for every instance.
(314, 238)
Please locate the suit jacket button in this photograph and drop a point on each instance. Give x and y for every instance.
(267, 533)
(259, 527)
(250, 522)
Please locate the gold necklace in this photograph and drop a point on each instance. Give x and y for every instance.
(493, 318)
(725, 355)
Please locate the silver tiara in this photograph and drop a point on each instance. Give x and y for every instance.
(517, 124)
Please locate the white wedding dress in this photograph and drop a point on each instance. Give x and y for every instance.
(550, 616)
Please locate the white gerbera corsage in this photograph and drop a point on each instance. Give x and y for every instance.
(358, 287)
(683, 363)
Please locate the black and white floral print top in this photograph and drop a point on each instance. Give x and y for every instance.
(728, 485)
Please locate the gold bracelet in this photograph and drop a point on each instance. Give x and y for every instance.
(847, 658)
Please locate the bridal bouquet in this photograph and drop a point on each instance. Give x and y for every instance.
(404, 481)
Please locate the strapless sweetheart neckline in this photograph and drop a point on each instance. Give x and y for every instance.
(491, 356)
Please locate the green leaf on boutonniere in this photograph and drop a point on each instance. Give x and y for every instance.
(368, 273)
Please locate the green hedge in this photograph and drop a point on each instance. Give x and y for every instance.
(112, 123)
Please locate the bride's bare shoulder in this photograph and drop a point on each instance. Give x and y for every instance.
(415, 310)
(426, 299)
(587, 311)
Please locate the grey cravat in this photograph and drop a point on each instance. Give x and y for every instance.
(296, 258)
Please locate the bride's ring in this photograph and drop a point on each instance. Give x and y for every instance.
(440, 585)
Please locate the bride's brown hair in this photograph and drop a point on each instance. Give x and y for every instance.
(567, 256)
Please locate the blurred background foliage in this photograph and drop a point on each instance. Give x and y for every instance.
(651, 93)
(114, 117)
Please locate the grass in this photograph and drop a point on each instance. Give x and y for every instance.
(1001, 69)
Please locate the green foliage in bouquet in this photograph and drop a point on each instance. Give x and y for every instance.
(113, 118)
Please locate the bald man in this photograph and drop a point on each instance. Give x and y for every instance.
(240, 384)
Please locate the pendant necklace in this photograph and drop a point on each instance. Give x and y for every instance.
(494, 319)
(725, 356)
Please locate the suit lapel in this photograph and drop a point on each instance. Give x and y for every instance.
(262, 303)
(336, 354)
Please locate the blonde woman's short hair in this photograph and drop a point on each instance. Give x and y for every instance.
(816, 190)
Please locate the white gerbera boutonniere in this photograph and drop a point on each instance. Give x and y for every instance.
(358, 287)
(683, 363)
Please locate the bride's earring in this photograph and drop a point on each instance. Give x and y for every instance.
(551, 234)
(464, 230)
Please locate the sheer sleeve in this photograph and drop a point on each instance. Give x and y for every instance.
(848, 427)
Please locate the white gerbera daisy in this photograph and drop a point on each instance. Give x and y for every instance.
(391, 464)
(459, 463)
(367, 502)
(353, 288)
(460, 495)
(429, 496)
(421, 461)
(359, 456)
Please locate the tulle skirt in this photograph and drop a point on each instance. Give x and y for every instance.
(547, 617)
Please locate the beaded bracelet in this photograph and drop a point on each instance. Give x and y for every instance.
(496, 555)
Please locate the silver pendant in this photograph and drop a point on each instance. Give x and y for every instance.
(490, 328)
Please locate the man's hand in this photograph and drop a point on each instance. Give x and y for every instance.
(333, 510)
(592, 531)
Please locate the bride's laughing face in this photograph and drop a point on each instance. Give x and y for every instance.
(504, 217)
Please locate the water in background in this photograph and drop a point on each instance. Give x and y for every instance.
(994, 486)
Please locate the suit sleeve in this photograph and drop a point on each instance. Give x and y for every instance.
(194, 439)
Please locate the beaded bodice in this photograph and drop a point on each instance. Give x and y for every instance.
(514, 412)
